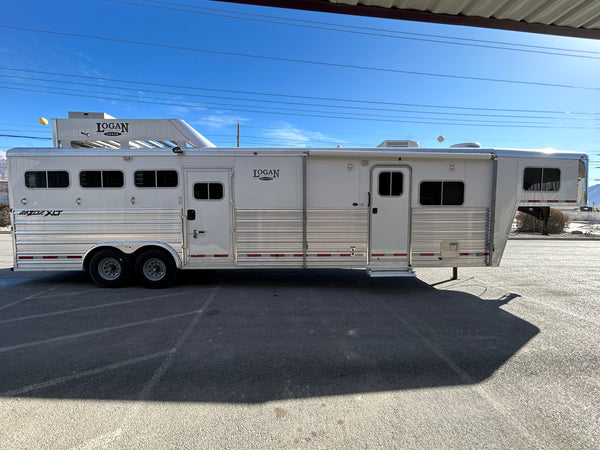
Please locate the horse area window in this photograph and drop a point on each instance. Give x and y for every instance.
(541, 179)
(47, 179)
(442, 193)
(156, 178)
(101, 179)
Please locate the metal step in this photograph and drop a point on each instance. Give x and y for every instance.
(391, 272)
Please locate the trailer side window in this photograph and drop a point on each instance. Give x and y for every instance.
(443, 193)
(156, 178)
(47, 179)
(208, 191)
(390, 184)
(101, 179)
(541, 179)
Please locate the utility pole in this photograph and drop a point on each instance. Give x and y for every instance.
(238, 135)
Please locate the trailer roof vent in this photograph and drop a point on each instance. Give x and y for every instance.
(399, 144)
(467, 145)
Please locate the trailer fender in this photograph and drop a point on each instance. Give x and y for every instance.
(132, 247)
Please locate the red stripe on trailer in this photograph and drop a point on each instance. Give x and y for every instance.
(400, 254)
(254, 255)
(345, 254)
(50, 257)
(463, 254)
(570, 201)
(533, 201)
(486, 254)
(221, 256)
(378, 254)
(25, 257)
(553, 201)
(298, 255)
(74, 257)
(197, 256)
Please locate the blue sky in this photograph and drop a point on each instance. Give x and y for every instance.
(217, 64)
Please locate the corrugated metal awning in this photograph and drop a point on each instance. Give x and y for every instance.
(575, 18)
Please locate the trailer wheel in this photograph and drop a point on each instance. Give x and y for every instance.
(110, 268)
(155, 269)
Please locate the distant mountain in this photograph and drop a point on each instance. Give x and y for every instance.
(594, 195)
(3, 170)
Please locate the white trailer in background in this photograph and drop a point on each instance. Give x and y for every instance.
(157, 197)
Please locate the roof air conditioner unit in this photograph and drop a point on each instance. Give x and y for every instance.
(399, 144)
(467, 145)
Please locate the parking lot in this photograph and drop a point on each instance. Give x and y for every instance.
(502, 357)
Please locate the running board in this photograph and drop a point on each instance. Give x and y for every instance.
(376, 273)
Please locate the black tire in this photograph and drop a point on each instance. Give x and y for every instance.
(155, 269)
(110, 268)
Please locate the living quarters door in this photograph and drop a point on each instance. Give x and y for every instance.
(390, 216)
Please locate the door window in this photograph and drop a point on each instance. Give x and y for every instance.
(208, 191)
(390, 184)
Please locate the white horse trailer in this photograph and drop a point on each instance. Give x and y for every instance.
(162, 199)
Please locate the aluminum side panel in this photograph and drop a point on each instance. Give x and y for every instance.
(61, 239)
(335, 238)
(432, 227)
(268, 238)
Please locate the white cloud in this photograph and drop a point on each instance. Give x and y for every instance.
(287, 135)
(178, 112)
(88, 71)
(219, 121)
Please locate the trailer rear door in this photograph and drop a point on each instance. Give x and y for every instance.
(390, 216)
(208, 217)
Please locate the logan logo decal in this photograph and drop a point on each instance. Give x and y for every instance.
(265, 174)
(112, 128)
(43, 213)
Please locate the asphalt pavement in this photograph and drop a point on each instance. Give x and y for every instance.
(500, 358)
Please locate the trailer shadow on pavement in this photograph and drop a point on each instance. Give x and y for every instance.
(246, 336)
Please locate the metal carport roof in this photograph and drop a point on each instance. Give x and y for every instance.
(575, 18)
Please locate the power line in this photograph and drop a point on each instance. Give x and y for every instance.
(361, 118)
(285, 111)
(301, 61)
(357, 30)
(376, 137)
(28, 137)
(21, 129)
(352, 101)
(272, 110)
(299, 139)
(279, 102)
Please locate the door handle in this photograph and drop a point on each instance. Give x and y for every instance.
(197, 232)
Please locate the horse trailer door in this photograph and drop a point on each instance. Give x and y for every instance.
(208, 217)
(390, 216)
